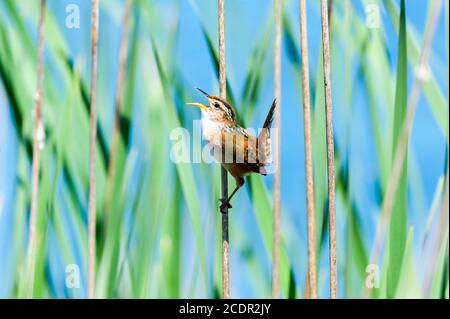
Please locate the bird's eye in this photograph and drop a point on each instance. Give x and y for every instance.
(216, 105)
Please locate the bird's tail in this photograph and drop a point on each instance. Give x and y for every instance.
(269, 117)
(263, 141)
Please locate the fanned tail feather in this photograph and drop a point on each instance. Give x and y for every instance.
(263, 140)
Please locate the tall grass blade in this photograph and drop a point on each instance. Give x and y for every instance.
(399, 219)
(184, 170)
(440, 277)
(38, 140)
(431, 89)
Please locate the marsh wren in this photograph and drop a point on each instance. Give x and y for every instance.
(240, 152)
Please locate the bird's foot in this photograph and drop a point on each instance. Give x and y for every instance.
(225, 205)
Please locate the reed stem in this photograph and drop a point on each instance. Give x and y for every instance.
(36, 161)
(92, 218)
(224, 174)
(311, 218)
(277, 177)
(330, 148)
(118, 101)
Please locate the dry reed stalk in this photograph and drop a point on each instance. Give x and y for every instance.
(224, 174)
(401, 151)
(277, 177)
(311, 219)
(118, 101)
(37, 145)
(330, 149)
(330, 15)
(92, 151)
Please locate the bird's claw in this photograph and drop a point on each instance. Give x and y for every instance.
(225, 204)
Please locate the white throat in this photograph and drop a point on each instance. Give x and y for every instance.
(210, 127)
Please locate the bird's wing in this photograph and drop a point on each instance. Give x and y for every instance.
(242, 147)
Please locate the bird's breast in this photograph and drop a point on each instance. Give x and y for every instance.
(211, 130)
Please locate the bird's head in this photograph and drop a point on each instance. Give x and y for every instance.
(217, 109)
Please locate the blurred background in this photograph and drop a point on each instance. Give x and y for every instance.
(159, 232)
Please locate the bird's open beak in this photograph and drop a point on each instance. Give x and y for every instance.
(200, 105)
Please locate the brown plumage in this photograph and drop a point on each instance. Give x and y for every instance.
(240, 152)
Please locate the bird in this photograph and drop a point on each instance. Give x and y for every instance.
(239, 152)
